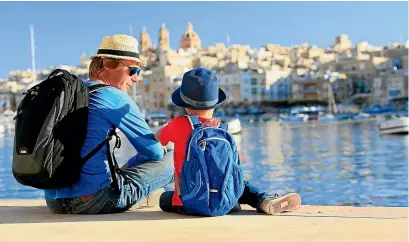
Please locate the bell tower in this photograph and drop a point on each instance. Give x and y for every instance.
(145, 40)
(164, 38)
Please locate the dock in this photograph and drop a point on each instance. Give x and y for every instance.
(30, 220)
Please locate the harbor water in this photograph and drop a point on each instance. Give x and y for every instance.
(344, 163)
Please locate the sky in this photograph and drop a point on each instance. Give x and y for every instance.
(64, 30)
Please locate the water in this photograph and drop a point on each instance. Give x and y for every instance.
(328, 164)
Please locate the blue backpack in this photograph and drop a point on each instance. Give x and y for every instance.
(211, 180)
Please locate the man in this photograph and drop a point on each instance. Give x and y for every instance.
(116, 64)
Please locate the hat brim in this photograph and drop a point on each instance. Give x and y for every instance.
(119, 58)
(177, 100)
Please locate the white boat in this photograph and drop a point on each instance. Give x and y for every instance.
(156, 118)
(392, 124)
(7, 121)
(234, 125)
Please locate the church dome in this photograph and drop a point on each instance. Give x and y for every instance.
(190, 39)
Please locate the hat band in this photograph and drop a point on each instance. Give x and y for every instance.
(197, 103)
(118, 53)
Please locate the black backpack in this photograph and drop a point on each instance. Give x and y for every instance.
(50, 130)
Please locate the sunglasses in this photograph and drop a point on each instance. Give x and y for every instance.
(134, 70)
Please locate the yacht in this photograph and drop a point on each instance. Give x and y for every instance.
(392, 124)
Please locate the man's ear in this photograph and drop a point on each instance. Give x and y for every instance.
(105, 64)
(110, 64)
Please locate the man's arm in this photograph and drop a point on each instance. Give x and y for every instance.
(127, 117)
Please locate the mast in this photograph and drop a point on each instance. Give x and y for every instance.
(228, 40)
(130, 30)
(33, 62)
(133, 84)
(332, 106)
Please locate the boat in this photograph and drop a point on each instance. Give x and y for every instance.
(156, 118)
(361, 116)
(253, 110)
(234, 125)
(7, 121)
(375, 110)
(306, 114)
(2, 129)
(392, 124)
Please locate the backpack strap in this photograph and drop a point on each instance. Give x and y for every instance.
(113, 164)
(95, 87)
(194, 121)
(224, 126)
(58, 71)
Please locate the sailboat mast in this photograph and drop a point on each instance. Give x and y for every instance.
(33, 62)
(332, 106)
(134, 84)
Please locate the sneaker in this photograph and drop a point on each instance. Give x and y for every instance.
(277, 204)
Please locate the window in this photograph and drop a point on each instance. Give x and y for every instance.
(253, 81)
(338, 68)
(254, 91)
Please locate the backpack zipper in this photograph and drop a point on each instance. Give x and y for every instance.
(203, 142)
(200, 183)
(190, 142)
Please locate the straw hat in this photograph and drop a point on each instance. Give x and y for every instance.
(119, 46)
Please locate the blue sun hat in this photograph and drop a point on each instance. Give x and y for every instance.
(199, 90)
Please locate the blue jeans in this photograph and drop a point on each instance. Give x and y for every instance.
(135, 184)
(251, 196)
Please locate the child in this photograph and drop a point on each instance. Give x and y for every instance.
(199, 94)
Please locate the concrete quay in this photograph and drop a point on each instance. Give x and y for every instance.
(30, 220)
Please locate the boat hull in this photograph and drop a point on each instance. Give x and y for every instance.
(395, 126)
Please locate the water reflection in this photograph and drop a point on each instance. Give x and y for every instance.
(328, 164)
(332, 164)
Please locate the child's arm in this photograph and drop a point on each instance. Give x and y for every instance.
(166, 133)
(157, 135)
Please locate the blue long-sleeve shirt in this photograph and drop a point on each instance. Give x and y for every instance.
(108, 107)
